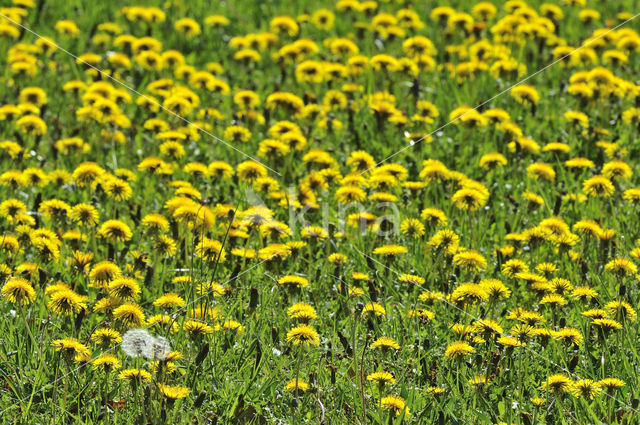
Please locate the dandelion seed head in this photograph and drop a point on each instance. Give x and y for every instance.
(160, 348)
(138, 343)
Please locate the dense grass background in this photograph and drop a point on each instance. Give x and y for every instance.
(242, 377)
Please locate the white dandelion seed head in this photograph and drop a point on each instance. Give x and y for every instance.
(160, 348)
(137, 343)
(140, 343)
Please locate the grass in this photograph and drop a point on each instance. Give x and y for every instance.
(245, 367)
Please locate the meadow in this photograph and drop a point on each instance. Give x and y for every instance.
(330, 212)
